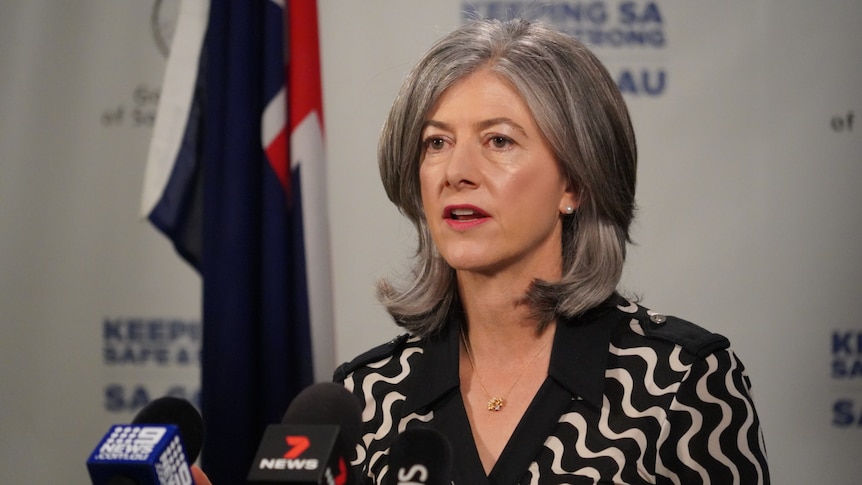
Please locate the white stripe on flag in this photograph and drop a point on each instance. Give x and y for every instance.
(175, 99)
(306, 149)
(273, 119)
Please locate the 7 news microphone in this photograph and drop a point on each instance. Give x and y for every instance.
(155, 449)
(419, 456)
(313, 443)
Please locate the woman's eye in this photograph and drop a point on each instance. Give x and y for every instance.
(500, 142)
(435, 143)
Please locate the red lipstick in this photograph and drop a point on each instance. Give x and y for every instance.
(463, 217)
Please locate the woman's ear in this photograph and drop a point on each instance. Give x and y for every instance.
(570, 200)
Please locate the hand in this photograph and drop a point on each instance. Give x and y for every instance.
(199, 477)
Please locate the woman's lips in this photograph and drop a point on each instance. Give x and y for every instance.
(462, 217)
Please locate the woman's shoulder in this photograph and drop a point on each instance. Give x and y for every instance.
(378, 357)
(655, 328)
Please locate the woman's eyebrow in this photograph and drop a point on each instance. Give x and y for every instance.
(480, 125)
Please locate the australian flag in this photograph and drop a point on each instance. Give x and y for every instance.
(235, 178)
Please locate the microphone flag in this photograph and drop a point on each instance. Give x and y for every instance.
(298, 454)
(142, 454)
(314, 441)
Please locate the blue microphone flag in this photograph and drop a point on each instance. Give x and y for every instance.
(145, 454)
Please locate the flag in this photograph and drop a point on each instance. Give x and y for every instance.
(241, 195)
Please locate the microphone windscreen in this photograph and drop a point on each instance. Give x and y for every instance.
(182, 414)
(420, 455)
(329, 404)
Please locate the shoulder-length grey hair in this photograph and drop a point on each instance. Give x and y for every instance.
(584, 119)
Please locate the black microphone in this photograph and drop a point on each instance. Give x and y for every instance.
(419, 456)
(314, 442)
(155, 449)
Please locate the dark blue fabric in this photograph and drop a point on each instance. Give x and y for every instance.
(179, 211)
(256, 337)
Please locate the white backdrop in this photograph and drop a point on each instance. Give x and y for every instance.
(750, 153)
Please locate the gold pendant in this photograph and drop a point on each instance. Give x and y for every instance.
(495, 404)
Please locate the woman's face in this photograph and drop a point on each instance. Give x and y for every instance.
(491, 188)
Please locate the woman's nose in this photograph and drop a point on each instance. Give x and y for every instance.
(462, 166)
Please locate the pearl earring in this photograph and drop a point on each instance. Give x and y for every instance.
(570, 210)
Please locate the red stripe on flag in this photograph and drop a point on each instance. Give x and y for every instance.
(305, 94)
(276, 153)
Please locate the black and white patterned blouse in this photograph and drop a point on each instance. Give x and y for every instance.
(631, 397)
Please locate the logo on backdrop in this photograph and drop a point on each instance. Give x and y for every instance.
(627, 35)
(846, 349)
(843, 122)
(148, 358)
(162, 22)
(139, 111)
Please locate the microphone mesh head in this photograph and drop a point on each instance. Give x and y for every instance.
(181, 413)
(327, 403)
(420, 447)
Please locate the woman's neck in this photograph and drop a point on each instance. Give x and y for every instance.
(504, 360)
(499, 322)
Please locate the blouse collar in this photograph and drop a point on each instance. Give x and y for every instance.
(578, 359)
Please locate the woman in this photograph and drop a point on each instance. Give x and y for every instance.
(511, 150)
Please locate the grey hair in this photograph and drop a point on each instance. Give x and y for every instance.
(584, 119)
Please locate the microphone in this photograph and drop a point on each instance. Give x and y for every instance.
(314, 442)
(419, 456)
(155, 449)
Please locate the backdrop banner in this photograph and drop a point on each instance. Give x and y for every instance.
(750, 154)
(98, 315)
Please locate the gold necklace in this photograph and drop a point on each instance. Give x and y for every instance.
(496, 403)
